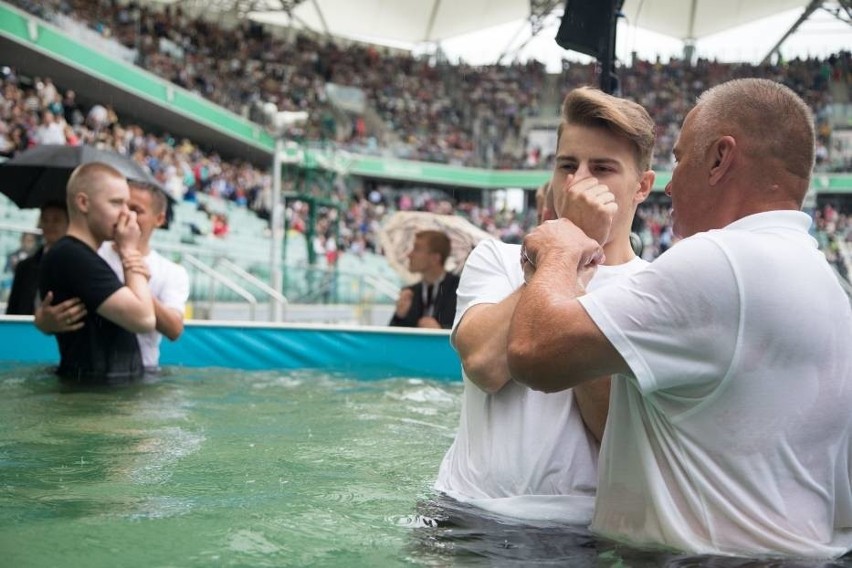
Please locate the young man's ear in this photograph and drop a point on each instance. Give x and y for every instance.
(160, 219)
(646, 184)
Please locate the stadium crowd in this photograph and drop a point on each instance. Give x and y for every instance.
(424, 112)
(430, 110)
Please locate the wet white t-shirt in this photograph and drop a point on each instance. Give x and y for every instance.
(519, 452)
(169, 285)
(732, 433)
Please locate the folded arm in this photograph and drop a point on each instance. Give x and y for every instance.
(131, 306)
(553, 343)
(482, 340)
(169, 320)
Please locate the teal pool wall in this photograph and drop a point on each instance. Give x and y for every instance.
(362, 352)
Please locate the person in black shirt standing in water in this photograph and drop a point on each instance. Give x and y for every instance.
(105, 349)
(431, 302)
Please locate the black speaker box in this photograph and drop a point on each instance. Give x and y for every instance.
(586, 25)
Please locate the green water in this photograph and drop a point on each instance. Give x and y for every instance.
(224, 468)
(217, 467)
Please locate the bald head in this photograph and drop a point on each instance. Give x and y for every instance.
(89, 179)
(773, 125)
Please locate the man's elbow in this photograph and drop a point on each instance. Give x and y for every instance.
(528, 367)
(143, 324)
(173, 332)
(522, 362)
(484, 373)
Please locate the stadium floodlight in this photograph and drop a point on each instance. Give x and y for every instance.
(278, 123)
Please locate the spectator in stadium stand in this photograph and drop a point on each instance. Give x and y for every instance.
(732, 373)
(52, 129)
(28, 245)
(219, 225)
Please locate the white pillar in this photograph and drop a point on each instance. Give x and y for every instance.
(276, 272)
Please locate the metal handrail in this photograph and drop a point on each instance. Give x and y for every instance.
(19, 229)
(227, 282)
(269, 290)
(383, 286)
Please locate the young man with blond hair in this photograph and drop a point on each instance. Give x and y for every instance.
(168, 281)
(518, 452)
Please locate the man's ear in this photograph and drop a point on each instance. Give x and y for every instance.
(160, 219)
(81, 200)
(646, 184)
(722, 154)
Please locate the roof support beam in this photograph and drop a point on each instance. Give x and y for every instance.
(845, 6)
(690, 30)
(321, 18)
(436, 5)
(810, 9)
(540, 10)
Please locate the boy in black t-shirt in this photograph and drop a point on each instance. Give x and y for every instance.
(105, 348)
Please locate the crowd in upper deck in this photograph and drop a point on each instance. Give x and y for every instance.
(427, 110)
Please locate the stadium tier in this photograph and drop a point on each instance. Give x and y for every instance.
(186, 118)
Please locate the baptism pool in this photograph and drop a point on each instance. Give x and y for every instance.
(215, 467)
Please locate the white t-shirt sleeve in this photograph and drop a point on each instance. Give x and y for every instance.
(676, 322)
(175, 289)
(487, 277)
(176, 293)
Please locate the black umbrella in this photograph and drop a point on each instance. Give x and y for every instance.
(39, 175)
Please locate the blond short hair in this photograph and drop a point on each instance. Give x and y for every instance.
(87, 178)
(590, 107)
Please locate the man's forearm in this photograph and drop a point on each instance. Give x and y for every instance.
(136, 279)
(539, 343)
(169, 320)
(482, 339)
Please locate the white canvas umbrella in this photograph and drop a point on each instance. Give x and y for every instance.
(397, 238)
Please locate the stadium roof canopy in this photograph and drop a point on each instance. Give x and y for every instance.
(428, 21)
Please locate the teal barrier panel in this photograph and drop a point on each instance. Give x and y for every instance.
(21, 342)
(360, 352)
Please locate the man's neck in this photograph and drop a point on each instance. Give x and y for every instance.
(618, 251)
(83, 234)
(432, 276)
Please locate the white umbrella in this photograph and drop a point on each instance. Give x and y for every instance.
(397, 238)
